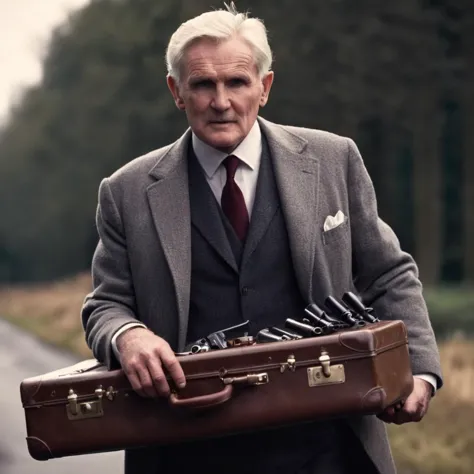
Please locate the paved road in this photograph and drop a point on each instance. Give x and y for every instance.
(22, 356)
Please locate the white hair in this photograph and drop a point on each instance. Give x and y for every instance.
(220, 25)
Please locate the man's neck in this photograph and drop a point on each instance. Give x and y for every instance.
(248, 150)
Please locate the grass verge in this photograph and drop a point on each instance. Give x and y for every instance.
(50, 311)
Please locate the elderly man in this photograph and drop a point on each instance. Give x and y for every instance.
(228, 224)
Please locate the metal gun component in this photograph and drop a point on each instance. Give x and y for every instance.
(356, 305)
(302, 328)
(266, 336)
(241, 341)
(197, 347)
(218, 339)
(319, 313)
(343, 312)
(316, 316)
(282, 332)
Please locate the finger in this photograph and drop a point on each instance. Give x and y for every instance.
(173, 367)
(413, 409)
(411, 412)
(402, 418)
(389, 415)
(399, 405)
(146, 382)
(158, 377)
(134, 380)
(131, 366)
(385, 417)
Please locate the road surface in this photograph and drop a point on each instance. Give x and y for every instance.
(22, 356)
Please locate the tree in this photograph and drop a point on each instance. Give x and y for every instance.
(468, 109)
(376, 73)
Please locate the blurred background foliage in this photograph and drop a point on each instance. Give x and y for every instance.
(397, 77)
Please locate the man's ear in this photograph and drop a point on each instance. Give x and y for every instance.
(174, 89)
(267, 82)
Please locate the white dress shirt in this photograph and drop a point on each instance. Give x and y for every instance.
(249, 152)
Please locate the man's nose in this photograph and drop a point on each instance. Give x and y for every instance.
(220, 100)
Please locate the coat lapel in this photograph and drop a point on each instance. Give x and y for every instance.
(265, 206)
(169, 204)
(205, 214)
(297, 177)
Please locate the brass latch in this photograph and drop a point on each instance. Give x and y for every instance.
(325, 363)
(326, 373)
(249, 379)
(88, 409)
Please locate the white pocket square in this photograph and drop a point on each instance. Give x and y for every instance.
(333, 221)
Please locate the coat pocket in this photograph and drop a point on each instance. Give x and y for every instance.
(336, 234)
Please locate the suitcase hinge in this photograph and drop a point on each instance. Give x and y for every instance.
(109, 393)
(289, 364)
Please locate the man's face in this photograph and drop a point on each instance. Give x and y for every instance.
(220, 91)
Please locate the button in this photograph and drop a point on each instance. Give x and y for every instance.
(244, 291)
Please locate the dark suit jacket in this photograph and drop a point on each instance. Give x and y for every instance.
(142, 264)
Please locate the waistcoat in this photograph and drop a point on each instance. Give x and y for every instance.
(233, 282)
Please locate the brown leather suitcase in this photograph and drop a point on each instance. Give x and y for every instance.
(86, 408)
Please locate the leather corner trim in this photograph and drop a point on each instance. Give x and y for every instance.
(374, 400)
(28, 389)
(38, 449)
(358, 341)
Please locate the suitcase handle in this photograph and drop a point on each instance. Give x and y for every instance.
(202, 401)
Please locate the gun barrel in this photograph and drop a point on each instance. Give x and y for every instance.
(302, 328)
(358, 307)
(342, 311)
(282, 332)
(266, 336)
(318, 317)
(351, 300)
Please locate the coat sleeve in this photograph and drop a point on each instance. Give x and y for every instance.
(385, 276)
(111, 304)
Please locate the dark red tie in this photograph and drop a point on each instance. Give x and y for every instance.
(232, 201)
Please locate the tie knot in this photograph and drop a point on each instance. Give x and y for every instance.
(231, 163)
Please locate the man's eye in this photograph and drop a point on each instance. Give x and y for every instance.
(202, 84)
(236, 82)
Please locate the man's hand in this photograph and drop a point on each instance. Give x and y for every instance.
(415, 406)
(145, 357)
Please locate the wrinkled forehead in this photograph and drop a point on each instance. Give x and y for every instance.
(210, 58)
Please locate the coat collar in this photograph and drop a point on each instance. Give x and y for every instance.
(282, 142)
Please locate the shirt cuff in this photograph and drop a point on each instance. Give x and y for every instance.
(429, 378)
(120, 331)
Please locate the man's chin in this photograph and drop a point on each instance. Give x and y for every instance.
(225, 142)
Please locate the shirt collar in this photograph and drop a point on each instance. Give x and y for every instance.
(249, 151)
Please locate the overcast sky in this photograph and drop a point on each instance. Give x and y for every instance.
(25, 26)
